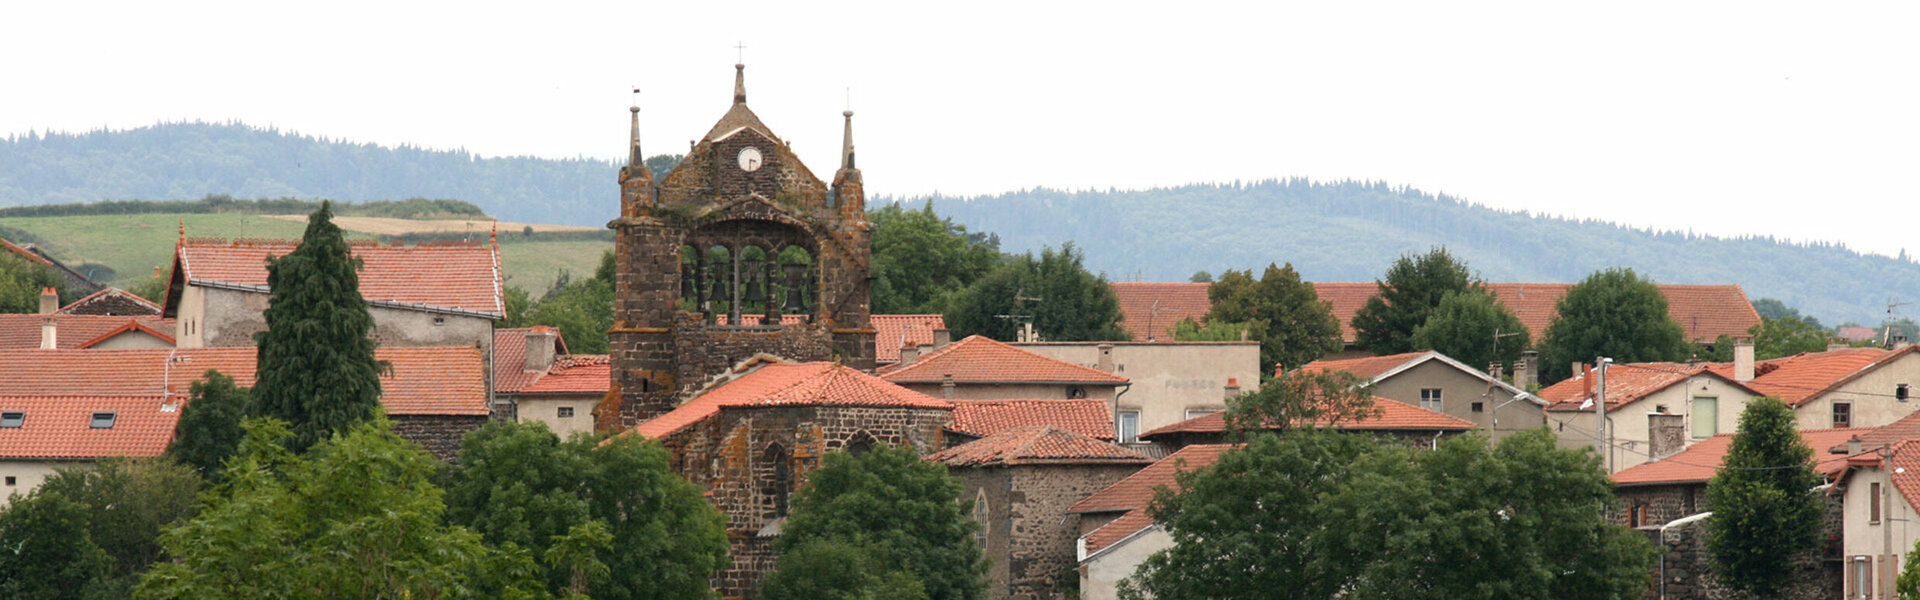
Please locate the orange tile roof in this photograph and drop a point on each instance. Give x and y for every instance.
(790, 384)
(448, 277)
(1364, 368)
(423, 381)
(575, 374)
(1802, 377)
(70, 331)
(981, 418)
(131, 325)
(1698, 462)
(896, 331)
(1705, 311)
(111, 293)
(1118, 529)
(510, 375)
(1391, 416)
(1136, 491)
(25, 253)
(979, 359)
(1906, 470)
(1626, 383)
(60, 427)
(1905, 428)
(1036, 445)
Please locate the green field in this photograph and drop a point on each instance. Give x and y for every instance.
(130, 246)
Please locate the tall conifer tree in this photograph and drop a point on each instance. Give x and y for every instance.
(317, 371)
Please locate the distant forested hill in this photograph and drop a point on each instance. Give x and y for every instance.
(190, 160)
(1347, 231)
(1351, 231)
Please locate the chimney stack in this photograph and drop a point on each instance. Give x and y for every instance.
(1106, 358)
(946, 385)
(942, 337)
(49, 301)
(909, 353)
(1495, 370)
(1743, 361)
(1233, 388)
(540, 348)
(49, 337)
(1526, 374)
(1854, 446)
(1666, 434)
(1279, 370)
(1586, 385)
(1837, 345)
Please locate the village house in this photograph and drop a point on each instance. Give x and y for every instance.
(535, 379)
(1436, 382)
(1021, 481)
(1168, 381)
(976, 419)
(1403, 423)
(1686, 402)
(103, 320)
(980, 368)
(40, 434)
(1675, 487)
(923, 333)
(1116, 533)
(77, 282)
(1842, 387)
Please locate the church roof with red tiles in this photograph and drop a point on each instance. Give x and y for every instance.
(790, 384)
(110, 295)
(981, 418)
(1136, 490)
(1698, 462)
(462, 278)
(72, 331)
(896, 331)
(422, 381)
(1036, 445)
(979, 359)
(1391, 415)
(62, 427)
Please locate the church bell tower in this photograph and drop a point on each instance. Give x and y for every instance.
(739, 251)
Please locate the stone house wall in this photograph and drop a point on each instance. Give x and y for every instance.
(440, 434)
(1660, 504)
(1684, 570)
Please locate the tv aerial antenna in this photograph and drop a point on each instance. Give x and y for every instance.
(1023, 322)
(1886, 333)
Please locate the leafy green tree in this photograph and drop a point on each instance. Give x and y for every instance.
(921, 260)
(317, 371)
(1775, 338)
(1188, 330)
(1253, 522)
(1464, 327)
(1613, 313)
(209, 429)
(519, 484)
(1200, 277)
(45, 550)
(838, 570)
(1765, 509)
(1523, 519)
(1302, 399)
(904, 518)
(21, 282)
(581, 310)
(1293, 325)
(154, 289)
(1770, 308)
(1413, 288)
(1065, 302)
(127, 504)
(356, 516)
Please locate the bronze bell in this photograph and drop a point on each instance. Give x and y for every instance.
(756, 292)
(688, 288)
(796, 289)
(722, 288)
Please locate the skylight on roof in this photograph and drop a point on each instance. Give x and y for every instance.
(12, 419)
(103, 420)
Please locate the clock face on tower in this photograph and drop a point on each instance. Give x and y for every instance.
(750, 159)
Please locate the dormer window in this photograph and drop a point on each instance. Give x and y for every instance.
(12, 419)
(102, 420)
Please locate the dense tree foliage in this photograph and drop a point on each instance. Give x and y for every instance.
(1055, 292)
(355, 517)
(1474, 328)
(411, 208)
(520, 484)
(1770, 308)
(899, 517)
(1765, 509)
(921, 260)
(1412, 289)
(209, 430)
(316, 367)
(1293, 325)
(1775, 338)
(1616, 314)
(582, 310)
(1301, 398)
(21, 282)
(90, 531)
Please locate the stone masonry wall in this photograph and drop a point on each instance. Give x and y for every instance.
(1041, 557)
(440, 434)
(1661, 503)
(1684, 570)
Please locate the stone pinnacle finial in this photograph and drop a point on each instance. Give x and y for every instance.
(183, 230)
(634, 158)
(739, 83)
(846, 142)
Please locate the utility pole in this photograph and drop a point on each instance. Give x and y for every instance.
(1602, 433)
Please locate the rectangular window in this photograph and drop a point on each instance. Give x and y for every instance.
(13, 419)
(1873, 505)
(1479, 407)
(1861, 578)
(1430, 399)
(1637, 515)
(566, 412)
(10, 481)
(1129, 426)
(102, 420)
(1195, 413)
(1706, 417)
(1842, 414)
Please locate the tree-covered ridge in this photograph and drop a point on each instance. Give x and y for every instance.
(1349, 231)
(411, 208)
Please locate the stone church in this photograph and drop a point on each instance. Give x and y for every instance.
(742, 335)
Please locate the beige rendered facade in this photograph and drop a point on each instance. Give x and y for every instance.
(1171, 381)
(1871, 559)
(1710, 404)
(217, 316)
(24, 476)
(1102, 572)
(1870, 398)
(1441, 384)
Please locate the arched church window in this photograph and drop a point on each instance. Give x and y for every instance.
(861, 444)
(780, 477)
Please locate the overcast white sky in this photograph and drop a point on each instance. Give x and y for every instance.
(1798, 120)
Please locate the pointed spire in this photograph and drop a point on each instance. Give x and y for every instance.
(183, 230)
(846, 142)
(739, 83)
(634, 158)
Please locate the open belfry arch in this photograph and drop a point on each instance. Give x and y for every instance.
(740, 251)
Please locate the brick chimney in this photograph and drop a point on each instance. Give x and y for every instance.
(942, 337)
(1666, 434)
(1526, 372)
(946, 386)
(49, 301)
(49, 337)
(1743, 361)
(1106, 358)
(1233, 388)
(909, 353)
(1495, 370)
(1586, 385)
(540, 348)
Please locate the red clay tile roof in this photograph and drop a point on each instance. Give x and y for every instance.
(424, 380)
(1906, 470)
(130, 326)
(1118, 529)
(25, 253)
(575, 374)
(1626, 383)
(1036, 445)
(981, 418)
(978, 359)
(896, 331)
(1856, 333)
(60, 427)
(1364, 368)
(70, 331)
(1905, 428)
(790, 384)
(111, 293)
(1698, 462)
(510, 375)
(453, 277)
(1802, 377)
(1136, 490)
(1705, 311)
(1391, 416)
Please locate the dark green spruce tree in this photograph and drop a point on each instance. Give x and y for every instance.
(1413, 288)
(1765, 510)
(317, 369)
